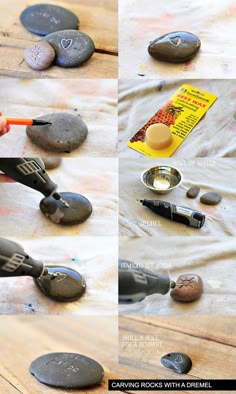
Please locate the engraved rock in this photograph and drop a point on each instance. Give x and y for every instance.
(40, 56)
(189, 287)
(179, 362)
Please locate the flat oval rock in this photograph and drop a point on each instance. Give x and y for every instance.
(189, 287)
(193, 192)
(72, 48)
(211, 198)
(66, 133)
(44, 19)
(78, 211)
(175, 47)
(179, 362)
(67, 370)
(61, 283)
(52, 162)
(40, 56)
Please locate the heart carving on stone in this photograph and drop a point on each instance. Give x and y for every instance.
(178, 359)
(175, 40)
(66, 43)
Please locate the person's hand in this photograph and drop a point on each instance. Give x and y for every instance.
(5, 179)
(4, 128)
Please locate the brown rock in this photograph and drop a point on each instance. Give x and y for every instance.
(193, 192)
(189, 287)
(211, 198)
(40, 56)
(52, 162)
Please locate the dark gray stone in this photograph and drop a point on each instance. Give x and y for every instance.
(211, 198)
(61, 283)
(44, 19)
(175, 47)
(179, 362)
(67, 370)
(78, 211)
(193, 192)
(40, 56)
(72, 48)
(66, 133)
(51, 162)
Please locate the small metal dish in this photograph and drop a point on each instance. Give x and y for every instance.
(161, 179)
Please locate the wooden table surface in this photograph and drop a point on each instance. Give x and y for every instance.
(98, 19)
(210, 341)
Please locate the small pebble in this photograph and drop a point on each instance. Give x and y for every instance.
(40, 56)
(44, 19)
(179, 362)
(65, 133)
(67, 370)
(193, 192)
(72, 48)
(211, 198)
(51, 162)
(176, 47)
(78, 211)
(61, 283)
(189, 287)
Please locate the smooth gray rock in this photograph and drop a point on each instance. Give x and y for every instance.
(78, 211)
(175, 47)
(193, 192)
(72, 48)
(211, 198)
(61, 283)
(179, 362)
(44, 19)
(40, 56)
(66, 133)
(67, 370)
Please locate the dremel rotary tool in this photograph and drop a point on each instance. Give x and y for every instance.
(31, 172)
(57, 282)
(177, 213)
(136, 283)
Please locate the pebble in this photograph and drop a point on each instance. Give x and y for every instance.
(179, 362)
(40, 56)
(66, 133)
(72, 48)
(43, 19)
(67, 370)
(189, 287)
(51, 162)
(176, 47)
(211, 198)
(61, 283)
(78, 211)
(193, 192)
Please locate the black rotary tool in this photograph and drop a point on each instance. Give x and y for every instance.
(177, 213)
(136, 283)
(31, 172)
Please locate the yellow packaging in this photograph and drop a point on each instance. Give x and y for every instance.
(181, 114)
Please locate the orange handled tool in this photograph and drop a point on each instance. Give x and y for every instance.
(27, 122)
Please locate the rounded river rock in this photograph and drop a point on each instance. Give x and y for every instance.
(189, 287)
(61, 283)
(44, 19)
(179, 362)
(193, 192)
(67, 370)
(40, 56)
(66, 133)
(72, 48)
(175, 47)
(211, 198)
(78, 211)
(51, 162)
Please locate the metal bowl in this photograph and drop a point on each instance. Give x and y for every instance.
(161, 179)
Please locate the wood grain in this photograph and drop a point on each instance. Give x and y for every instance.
(98, 20)
(210, 342)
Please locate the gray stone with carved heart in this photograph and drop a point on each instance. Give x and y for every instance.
(179, 362)
(72, 48)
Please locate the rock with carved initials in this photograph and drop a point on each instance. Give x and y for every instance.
(67, 370)
(44, 19)
(61, 283)
(176, 47)
(72, 48)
